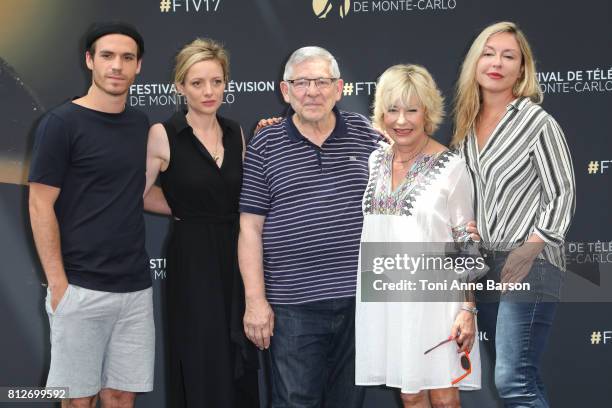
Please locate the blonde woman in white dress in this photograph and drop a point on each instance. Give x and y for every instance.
(418, 191)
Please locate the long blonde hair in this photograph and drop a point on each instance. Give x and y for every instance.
(467, 97)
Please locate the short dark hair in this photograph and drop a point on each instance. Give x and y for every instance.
(98, 30)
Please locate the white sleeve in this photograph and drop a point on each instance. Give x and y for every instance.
(461, 211)
(460, 201)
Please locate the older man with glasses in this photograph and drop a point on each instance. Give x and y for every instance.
(300, 228)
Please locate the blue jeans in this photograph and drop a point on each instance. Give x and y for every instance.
(520, 330)
(313, 355)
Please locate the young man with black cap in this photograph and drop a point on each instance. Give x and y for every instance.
(86, 178)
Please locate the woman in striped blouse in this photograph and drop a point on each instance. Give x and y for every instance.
(524, 187)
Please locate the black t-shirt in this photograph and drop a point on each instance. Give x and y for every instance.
(98, 161)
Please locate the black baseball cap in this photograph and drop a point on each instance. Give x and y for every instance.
(98, 30)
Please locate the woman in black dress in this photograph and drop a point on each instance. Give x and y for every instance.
(199, 155)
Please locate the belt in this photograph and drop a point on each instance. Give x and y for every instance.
(492, 254)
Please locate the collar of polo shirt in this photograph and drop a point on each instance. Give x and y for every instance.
(295, 135)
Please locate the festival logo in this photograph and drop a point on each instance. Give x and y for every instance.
(158, 268)
(600, 337)
(189, 6)
(331, 8)
(361, 88)
(165, 94)
(598, 166)
(576, 81)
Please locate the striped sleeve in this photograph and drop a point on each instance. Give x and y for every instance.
(553, 163)
(255, 194)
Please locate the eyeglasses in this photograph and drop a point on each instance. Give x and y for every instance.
(302, 84)
(466, 363)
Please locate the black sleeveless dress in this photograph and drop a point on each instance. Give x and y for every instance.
(211, 362)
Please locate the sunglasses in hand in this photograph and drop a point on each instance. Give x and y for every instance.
(466, 364)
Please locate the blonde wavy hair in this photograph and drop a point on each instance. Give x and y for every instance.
(467, 97)
(398, 84)
(200, 49)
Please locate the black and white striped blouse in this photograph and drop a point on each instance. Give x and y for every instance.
(523, 180)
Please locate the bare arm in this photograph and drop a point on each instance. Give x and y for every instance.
(45, 229)
(155, 201)
(158, 158)
(243, 143)
(460, 205)
(258, 315)
(520, 260)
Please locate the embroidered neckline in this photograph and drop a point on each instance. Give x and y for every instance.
(379, 197)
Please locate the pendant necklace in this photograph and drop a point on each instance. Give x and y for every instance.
(414, 155)
(216, 156)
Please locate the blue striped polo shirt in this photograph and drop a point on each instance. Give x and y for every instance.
(311, 197)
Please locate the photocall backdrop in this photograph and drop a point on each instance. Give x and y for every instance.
(41, 65)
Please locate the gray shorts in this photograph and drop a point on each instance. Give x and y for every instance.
(101, 340)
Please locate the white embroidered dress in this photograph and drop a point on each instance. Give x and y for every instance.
(433, 202)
